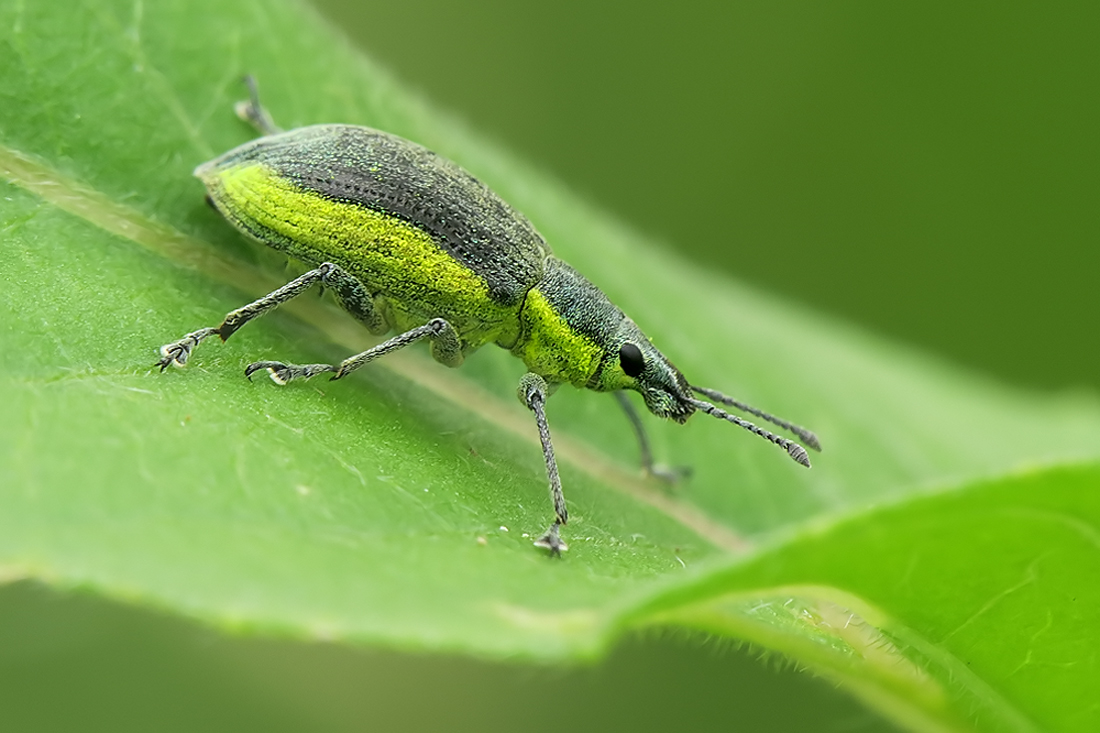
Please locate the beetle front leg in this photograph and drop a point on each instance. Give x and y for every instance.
(668, 474)
(532, 392)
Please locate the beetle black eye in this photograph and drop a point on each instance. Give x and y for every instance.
(631, 359)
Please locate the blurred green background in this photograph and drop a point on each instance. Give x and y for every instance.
(929, 172)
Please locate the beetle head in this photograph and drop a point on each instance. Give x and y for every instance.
(643, 368)
(635, 363)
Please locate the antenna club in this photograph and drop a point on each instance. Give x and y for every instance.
(798, 453)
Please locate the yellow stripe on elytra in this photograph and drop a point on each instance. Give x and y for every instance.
(551, 348)
(418, 279)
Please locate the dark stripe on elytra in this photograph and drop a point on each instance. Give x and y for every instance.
(390, 175)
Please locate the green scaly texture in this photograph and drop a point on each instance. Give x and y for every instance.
(416, 279)
(552, 348)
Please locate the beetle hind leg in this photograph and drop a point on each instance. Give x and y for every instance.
(252, 112)
(350, 293)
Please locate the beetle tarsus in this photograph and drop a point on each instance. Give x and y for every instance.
(552, 541)
(282, 373)
(178, 352)
(671, 475)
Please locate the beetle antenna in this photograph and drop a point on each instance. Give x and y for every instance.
(807, 436)
(794, 450)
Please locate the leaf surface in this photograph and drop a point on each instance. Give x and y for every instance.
(953, 519)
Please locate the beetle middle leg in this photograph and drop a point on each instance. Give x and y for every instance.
(446, 348)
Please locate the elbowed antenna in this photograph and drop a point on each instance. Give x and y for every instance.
(794, 450)
(806, 436)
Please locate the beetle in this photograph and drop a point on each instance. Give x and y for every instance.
(408, 241)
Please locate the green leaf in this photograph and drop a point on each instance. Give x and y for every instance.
(939, 560)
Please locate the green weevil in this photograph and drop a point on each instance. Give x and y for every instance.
(407, 240)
